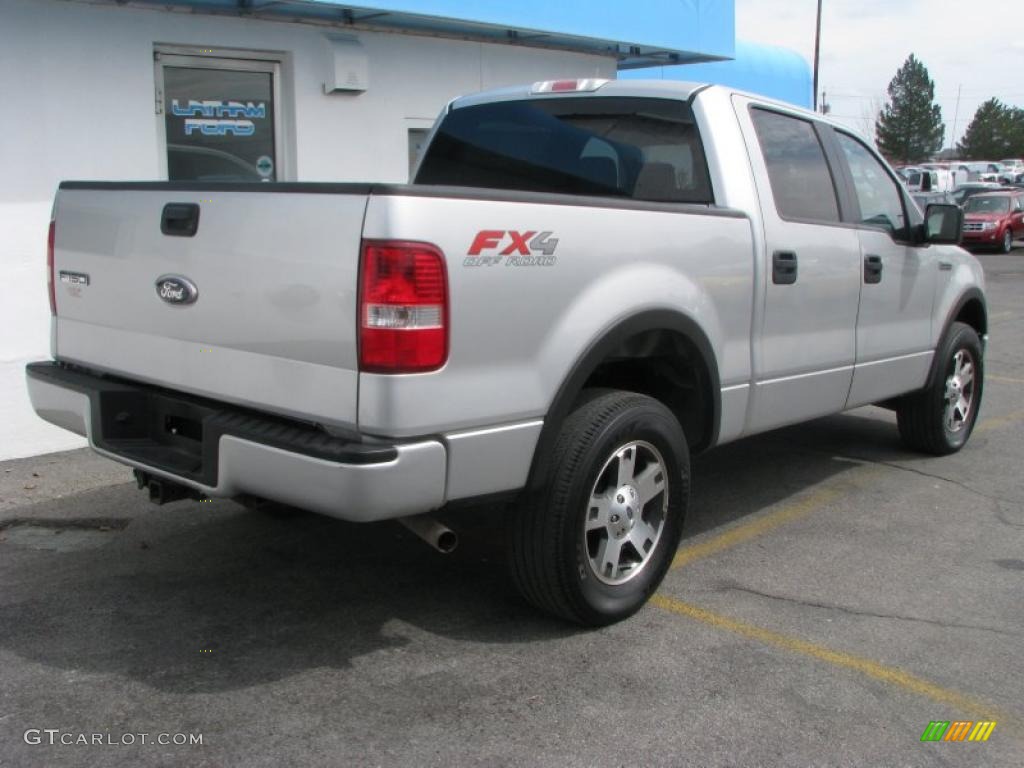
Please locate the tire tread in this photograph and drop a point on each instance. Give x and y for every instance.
(915, 415)
(537, 529)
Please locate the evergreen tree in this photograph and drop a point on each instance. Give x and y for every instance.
(1016, 132)
(996, 131)
(910, 129)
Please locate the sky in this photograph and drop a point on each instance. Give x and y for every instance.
(976, 47)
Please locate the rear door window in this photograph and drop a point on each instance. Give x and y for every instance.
(800, 178)
(638, 148)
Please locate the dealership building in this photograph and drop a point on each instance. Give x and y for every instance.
(289, 90)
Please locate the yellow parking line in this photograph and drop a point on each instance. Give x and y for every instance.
(999, 421)
(797, 510)
(807, 505)
(756, 527)
(1007, 379)
(881, 672)
(759, 526)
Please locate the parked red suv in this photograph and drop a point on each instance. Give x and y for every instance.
(994, 219)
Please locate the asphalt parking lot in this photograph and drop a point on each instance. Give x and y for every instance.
(832, 596)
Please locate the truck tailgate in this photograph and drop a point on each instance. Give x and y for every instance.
(274, 268)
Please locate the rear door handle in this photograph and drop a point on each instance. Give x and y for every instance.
(872, 269)
(784, 267)
(180, 219)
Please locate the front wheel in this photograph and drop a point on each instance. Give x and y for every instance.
(595, 542)
(939, 419)
(1007, 240)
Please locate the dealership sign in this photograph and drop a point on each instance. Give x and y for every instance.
(219, 118)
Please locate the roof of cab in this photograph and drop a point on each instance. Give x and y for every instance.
(666, 89)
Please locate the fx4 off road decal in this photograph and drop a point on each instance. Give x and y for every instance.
(514, 249)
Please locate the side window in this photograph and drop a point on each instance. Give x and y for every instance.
(881, 204)
(800, 178)
(600, 163)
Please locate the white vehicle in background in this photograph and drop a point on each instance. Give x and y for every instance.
(957, 175)
(1013, 165)
(985, 170)
(930, 180)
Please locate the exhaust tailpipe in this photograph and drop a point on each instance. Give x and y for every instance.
(439, 536)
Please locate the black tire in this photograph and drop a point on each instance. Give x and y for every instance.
(1007, 244)
(548, 553)
(921, 417)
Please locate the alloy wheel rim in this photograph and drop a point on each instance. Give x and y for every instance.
(626, 513)
(958, 402)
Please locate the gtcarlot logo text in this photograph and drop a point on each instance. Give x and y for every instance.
(55, 736)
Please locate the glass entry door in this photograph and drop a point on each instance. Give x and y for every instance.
(220, 118)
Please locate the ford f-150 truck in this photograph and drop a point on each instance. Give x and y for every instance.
(585, 283)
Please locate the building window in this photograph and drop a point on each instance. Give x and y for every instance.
(220, 118)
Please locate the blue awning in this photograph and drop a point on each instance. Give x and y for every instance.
(639, 33)
(769, 70)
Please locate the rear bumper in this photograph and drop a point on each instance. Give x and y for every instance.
(222, 451)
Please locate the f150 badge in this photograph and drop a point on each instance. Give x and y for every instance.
(515, 249)
(175, 289)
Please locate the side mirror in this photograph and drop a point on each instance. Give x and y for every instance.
(943, 224)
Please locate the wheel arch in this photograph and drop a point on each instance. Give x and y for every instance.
(970, 308)
(603, 349)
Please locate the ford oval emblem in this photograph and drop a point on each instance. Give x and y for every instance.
(175, 289)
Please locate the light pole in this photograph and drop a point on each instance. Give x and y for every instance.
(817, 51)
(956, 114)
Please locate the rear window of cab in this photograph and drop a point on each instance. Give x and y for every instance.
(637, 148)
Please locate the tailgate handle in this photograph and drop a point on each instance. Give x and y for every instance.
(180, 219)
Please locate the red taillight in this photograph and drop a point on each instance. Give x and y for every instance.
(559, 86)
(403, 308)
(49, 267)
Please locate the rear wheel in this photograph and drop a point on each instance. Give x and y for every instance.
(939, 419)
(596, 541)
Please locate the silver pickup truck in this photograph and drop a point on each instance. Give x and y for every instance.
(586, 282)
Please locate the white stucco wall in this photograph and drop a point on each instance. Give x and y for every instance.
(77, 102)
